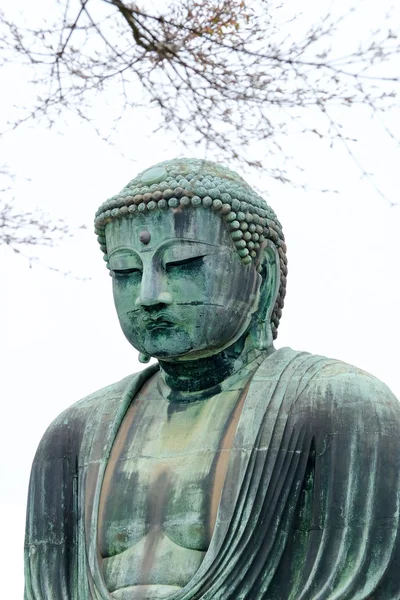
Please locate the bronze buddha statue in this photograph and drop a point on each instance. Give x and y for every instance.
(229, 470)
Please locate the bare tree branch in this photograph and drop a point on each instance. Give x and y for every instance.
(23, 231)
(222, 74)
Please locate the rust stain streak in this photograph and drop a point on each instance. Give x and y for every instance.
(223, 459)
(116, 451)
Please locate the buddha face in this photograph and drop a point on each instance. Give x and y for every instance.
(180, 288)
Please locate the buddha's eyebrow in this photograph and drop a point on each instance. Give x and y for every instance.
(182, 241)
(163, 247)
(123, 250)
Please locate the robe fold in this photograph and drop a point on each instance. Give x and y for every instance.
(309, 508)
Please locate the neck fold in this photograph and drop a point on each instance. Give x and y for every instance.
(191, 380)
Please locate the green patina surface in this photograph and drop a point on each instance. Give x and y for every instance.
(198, 184)
(229, 471)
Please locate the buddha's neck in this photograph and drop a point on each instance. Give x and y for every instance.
(192, 380)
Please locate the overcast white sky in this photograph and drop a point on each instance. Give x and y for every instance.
(60, 338)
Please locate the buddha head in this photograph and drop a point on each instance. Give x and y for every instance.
(197, 258)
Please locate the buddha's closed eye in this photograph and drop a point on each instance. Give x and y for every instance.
(189, 262)
(124, 272)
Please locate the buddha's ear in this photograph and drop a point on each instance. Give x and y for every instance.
(261, 327)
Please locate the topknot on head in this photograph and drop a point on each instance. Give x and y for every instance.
(195, 183)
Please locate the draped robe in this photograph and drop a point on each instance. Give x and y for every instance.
(309, 508)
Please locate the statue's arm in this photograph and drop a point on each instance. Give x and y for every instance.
(354, 526)
(50, 538)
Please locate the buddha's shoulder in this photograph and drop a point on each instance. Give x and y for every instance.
(71, 423)
(347, 381)
(331, 385)
(94, 400)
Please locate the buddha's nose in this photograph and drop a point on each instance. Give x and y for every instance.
(153, 292)
(162, 299)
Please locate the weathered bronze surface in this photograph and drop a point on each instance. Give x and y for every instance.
(229, 470)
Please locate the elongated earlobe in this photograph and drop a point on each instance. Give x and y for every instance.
(261, 335)
(261, 327)
(143, 358)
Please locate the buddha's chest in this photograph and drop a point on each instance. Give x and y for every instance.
(166, 473)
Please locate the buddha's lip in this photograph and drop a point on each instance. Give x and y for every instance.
(159, 323)
(162, 319)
